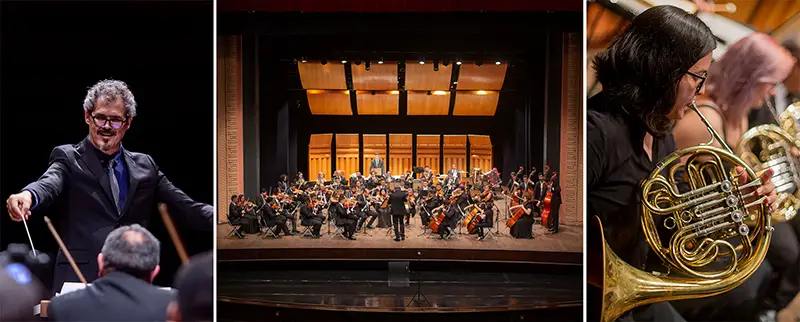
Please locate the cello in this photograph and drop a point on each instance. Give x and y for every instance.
(548, 197)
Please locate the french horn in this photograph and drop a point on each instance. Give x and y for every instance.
(710, 216)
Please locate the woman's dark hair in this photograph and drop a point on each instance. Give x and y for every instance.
(641, 69)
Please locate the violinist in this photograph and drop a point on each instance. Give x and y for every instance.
(348, 221)
(309, 217)
(462, 198)
(273, 219)
(487, 205)
(384, 219)
(283, 183)
(250, 219)
(299, 181)
(235, 215)
(320, 179)
(523, 228)
(411, 204)
(365, 210)
(261, 202)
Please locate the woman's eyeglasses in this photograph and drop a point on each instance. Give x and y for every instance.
(702, 80)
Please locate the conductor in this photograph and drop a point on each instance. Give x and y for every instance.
(397, 202)
(101, 185)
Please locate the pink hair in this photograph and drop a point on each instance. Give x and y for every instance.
(755, 59)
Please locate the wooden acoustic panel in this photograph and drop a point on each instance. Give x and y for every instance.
(374, 143)
(319, 155)
(605, 25)
(329, 102)
(314, 75)
(486, 77)
(423, 77)
(400, 153)
(347, 153)
(420, 103)
(379, 77)
(378, 103)
(455, 152)
(428, 147)
(476, 103)
(480, 150)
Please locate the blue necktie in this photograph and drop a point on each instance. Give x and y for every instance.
(112, 178)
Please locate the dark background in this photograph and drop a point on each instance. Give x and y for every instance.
(278, 123)
(53, 51)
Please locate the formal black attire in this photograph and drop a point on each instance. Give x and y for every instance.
(234, 218)
(116, 296)
(487, 222)
(523, 227)
(78, 182)
(450, 220)
(273, 219)
(555, 208)
(398, 208)
(308, 219)
(364, 212)
(250, 222)
(284, 186)
(348, 221)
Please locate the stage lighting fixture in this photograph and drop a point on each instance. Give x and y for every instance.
(458, 62)
(435, 65)
(439, 93)
(421, 62)
(344, 61)
(380, 61)
(366, 64)
(497, 62)
(303, 59)
(324, 62)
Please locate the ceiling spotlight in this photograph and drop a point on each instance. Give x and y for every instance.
(380, 61)
(481, 92)
(358, 62)
(324, 62)
(366, 64)
(435, 65)
(439, 92)
(421, 62)
(304, 59)
(394, 92)
(497, 62)
(344, 61)
(458, 62)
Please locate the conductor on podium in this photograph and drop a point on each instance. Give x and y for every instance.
(101, 185)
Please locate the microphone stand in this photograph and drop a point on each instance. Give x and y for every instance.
(418, 297)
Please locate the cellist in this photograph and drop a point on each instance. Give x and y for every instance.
(487, 204)
(523, 227)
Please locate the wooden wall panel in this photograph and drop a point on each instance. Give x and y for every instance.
(428, 147)
(319, 156)
(378, 103)
(400, 153)
(480, 150)
(379, 77)
(230, 175)
(347, 153)
(420, 103)
(476, 103)
(373, 143)
(572, 120)
(455, 152)
(329, 102)
(423, 77)
(486, 77)
(314, 75)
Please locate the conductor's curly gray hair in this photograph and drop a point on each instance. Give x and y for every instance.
(111, 90)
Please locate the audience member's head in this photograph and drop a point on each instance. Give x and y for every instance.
(132, 250)
(19, 292)
(195, 285)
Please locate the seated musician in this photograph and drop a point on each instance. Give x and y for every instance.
(487, 205)
(354, 178)
(320, 179)
(249, 219)
(235, 215)
(273, 219)
(523, 228)
(511, 181)
(348, 221)
(463, 199)
(450, 219)
(308, 217)
(412, 206)
(283, 183)
(389, 177)
(384, 216)
(432, 201)
(365, 210)
(299, 181)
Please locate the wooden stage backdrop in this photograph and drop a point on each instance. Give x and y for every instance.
(230, 169)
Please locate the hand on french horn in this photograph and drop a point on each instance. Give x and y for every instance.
(19, 205)
(767, 188)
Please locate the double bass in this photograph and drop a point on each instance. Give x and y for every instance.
(548, 197)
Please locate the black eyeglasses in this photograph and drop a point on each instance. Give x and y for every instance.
(702, 80)
(101, 120)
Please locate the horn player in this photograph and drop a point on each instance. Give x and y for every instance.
(650, 75)
(740, 82)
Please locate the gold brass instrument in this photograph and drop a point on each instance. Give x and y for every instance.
(789, 119)
(703, 208)
(770, 147)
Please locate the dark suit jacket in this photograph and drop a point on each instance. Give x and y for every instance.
(397, 202)
(114, 297)
(78, 181)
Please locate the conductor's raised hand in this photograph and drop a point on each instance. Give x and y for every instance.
(19, 205)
